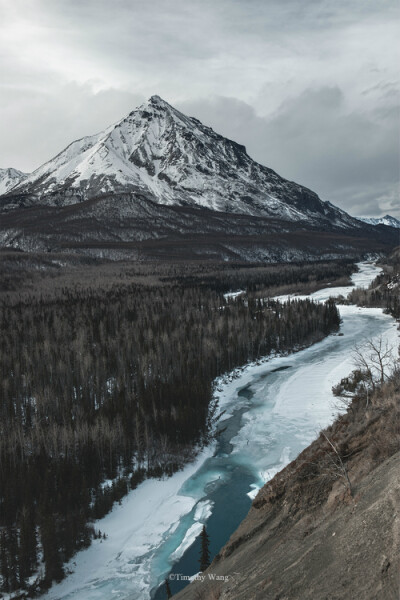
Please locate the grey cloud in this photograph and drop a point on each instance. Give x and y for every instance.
(369, 201)
(58, 120)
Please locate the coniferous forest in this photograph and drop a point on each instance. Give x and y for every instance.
(114, 383)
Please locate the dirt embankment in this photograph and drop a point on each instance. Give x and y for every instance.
(311, 533)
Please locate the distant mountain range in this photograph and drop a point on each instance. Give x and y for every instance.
(386, 220)
(158, 174)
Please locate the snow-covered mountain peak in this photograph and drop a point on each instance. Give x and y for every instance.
(156, 108)
(157, 101)
(174, 159)
(386, 220)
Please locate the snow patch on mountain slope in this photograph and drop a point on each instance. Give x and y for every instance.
(9, 178)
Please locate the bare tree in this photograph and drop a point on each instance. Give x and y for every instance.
(337, 466)
(374, 362)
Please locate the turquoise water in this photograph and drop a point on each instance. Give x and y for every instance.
(229, 490)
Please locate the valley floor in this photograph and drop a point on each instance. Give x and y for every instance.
(142, 537)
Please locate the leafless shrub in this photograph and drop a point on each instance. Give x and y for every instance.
(375, 362)
(337, 465)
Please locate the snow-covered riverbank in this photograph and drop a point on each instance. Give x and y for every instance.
(366, 273)
(120, 565)
(273, 410)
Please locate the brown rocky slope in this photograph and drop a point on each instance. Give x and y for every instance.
(313, 534)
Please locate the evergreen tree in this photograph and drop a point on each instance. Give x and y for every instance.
(27, 544)
(204, 552)
(4, 563)
(51, 552)
(12, 539)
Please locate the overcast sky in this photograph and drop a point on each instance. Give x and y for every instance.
(310, 87)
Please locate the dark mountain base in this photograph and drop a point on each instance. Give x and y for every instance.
(26, 275)
(131, 226)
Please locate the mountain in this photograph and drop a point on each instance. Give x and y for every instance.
(174, 160)
(386, 220)
(9, 178)
(159, 183)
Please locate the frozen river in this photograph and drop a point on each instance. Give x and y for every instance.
(273, 411)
